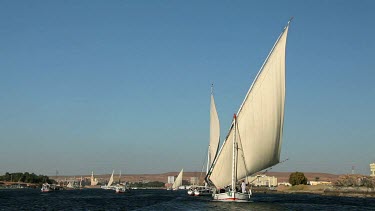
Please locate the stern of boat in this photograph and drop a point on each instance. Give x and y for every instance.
(231, 196)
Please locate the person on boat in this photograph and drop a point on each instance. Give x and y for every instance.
(227, 188)
(243, 186)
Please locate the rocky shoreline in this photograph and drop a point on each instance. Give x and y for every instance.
(350, 191)
(324, 190)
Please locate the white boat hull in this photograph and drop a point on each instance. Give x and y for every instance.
(190, 192)
(231, 197)
(118, 190)
(108, 187)
(49, 188)
(204, 192)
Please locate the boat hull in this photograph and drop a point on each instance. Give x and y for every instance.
(190, 192)
(49, 188)
(120, 189)
(231, 197)
(108, 187)
(205, 192)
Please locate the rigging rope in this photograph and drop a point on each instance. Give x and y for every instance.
(243, 156)
(204, 162)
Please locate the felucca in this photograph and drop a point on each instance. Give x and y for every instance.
(213, 147)
(109, 184)
(254, 139)
(178, 182)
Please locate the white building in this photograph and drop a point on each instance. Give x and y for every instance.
(193, 180)
(263, 180)
(170, 179)
(372, 169)
(284, 183)
(94, 181)
(319, 183)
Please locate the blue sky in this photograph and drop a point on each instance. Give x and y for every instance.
(97, 85)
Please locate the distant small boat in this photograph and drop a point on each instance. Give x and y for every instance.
(49, 187)
(72, 185)
(203, 191)
(191, 192)
(178, 182)
(109, 184)
(120, 188)
(46, 188)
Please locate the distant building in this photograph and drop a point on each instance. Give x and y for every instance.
(193, 180)
(372, 168)
(319, 183)
(284, 183)
(94, 181)
(263, 180)
(170, 179)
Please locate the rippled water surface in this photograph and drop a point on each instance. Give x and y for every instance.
(97, 199)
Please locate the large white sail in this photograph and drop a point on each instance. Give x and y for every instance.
(260, 122)
(214, 132)
(111, 179)
(178, 182)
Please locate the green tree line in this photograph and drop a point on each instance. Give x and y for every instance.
(25, 177)
(297, 178)
(148, 184)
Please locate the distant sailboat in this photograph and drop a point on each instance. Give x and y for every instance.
(111, 179)
(120, 188)
(178, 182)
(48, 187)
(254, 139)
(74, 183)
(214, 132)
(213, 147)
(109, 184)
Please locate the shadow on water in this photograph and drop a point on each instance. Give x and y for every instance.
(97, 199)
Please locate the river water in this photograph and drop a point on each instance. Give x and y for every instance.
(97, 199)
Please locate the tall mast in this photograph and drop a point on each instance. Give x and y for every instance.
(209, 144)
(208, 164)
(234, 169)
